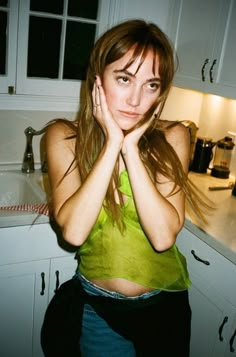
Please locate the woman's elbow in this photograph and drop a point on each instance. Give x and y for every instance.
(165, 240)
(72, 236)
(164, 243)
(70, 233)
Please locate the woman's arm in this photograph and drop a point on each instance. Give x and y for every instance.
(75, 205)
(161, 216)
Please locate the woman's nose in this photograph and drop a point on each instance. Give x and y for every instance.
(134, 97)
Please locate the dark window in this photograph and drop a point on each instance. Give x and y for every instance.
(44, 47)
(4, 3)
(46, 38)
(50, 6)
(77, 49)
(82, 8)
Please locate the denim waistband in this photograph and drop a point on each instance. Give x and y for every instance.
(93, 289)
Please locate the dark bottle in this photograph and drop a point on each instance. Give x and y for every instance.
(234, 190)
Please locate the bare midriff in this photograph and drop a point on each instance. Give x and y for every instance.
(121, 286)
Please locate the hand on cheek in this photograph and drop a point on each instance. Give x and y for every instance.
(102, 113)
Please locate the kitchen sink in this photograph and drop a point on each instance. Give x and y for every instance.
(18, 189)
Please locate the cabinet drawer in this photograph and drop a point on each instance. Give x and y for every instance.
(28, 243)
(208, 265)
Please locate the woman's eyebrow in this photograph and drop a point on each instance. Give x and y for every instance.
(125, 71)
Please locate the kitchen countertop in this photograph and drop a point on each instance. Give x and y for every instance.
(220, 232)
(14, 218)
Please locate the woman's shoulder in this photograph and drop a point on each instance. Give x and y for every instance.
(61, 129)
(175, 132)
(61, 132)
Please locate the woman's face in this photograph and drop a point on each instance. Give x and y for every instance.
(130, 93)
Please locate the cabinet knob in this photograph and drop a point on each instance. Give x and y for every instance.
(199, 259)
(211, 70)
(203, 69)
(221, 338)
(43, 283)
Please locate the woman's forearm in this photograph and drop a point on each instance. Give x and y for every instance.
(78, 213)
(158, 217)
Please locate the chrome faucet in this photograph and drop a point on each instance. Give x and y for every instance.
(28, 160)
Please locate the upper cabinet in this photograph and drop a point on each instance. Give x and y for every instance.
(203, 33)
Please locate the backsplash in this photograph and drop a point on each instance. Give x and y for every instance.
(214, 116)
(12, 137)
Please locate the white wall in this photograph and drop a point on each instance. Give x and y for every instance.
(12, 137)
(153, 11)
(183, 105)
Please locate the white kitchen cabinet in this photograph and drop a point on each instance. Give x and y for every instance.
(225, 77)
(29, 274)
(212, 298)
(22, 303)
(203, 33)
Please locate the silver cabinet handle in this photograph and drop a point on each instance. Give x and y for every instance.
(206, 262)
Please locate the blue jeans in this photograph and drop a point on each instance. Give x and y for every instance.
(97, 337)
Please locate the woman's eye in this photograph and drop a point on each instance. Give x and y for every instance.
(154, 86)
(123, 79)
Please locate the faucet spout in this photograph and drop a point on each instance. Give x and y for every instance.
(28, 159)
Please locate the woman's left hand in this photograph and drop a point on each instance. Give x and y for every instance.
(132, 139)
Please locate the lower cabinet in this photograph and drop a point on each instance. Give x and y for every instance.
(23, 300)
(212, 298)
(33, 266)
(26, 289)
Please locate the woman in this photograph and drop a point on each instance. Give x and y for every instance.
(119, 181)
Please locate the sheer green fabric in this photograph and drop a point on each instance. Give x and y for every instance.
(107, 253)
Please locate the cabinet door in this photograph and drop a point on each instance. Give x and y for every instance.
(211, 320)
(194, 29)
(212, 297)
(224, 77)
(61, 270)
(23, 300)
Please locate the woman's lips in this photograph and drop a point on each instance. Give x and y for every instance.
(129, 114)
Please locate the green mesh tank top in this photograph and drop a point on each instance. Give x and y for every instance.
(108, 254)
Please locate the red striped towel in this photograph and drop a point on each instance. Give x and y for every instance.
(41, 208)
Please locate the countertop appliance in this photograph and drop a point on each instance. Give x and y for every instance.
(202, 155)
(222, 158)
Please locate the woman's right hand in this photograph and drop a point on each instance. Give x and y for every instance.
(101, 112)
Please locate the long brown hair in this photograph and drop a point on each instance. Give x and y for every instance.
(156, 153)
